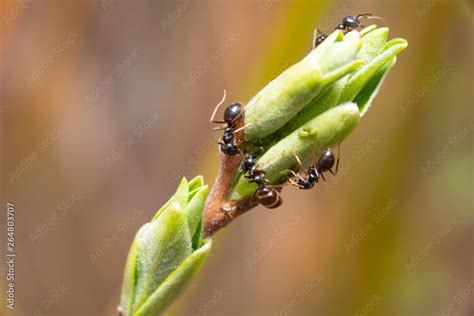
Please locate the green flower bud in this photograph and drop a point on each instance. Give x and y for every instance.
(286, 95)
(362, 85)
(166, 252)
(312, 126)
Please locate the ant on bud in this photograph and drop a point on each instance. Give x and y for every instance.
(266, 194)
(349, 23)
(233, 118)
(318, 38)
(325, 163)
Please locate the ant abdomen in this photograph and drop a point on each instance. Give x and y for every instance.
(269, 197)
(229, 149)
(233, 112)
(326, 161)
(265, 194)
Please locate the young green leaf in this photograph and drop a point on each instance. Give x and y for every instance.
(164, 244)
(175, 282)
(166, 252)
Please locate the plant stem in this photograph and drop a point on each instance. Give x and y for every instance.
(217, 211)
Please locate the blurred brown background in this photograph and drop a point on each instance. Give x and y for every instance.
(105, 106)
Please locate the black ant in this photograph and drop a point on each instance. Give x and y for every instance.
(325, 163)
(266, 194)
(233, 117)
(349, 23)
(318, 39)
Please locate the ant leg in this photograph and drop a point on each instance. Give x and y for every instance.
(240, 128)
(292, 172)
(322, 176)
(337, 160)
(228, 212)
(315, 35)
(218, 128)
(296, 175)
(252, 199)
(297, 159)
(293, 182)
(338, 157)
(216, 108)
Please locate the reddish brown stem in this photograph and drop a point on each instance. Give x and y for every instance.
(214, 215)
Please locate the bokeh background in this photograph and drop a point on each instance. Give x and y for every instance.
(105, 105)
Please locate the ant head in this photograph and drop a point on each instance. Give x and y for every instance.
(350, 21)
(248, 163)
(313, 174)
(319, 39)
(233, 112)
(259, 177)
(326, 161)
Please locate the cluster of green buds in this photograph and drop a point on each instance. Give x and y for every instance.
(312, 106)
(316, 103)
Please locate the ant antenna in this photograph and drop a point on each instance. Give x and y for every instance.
(217, 107)
(298, 160)
(370, 16)
(316, 34)
(296, 175)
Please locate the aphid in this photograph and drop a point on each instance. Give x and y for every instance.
(350, 22)
(266, 194)
(325, 163)
(233, 118)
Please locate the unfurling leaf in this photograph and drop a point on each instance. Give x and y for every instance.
(166, 252)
